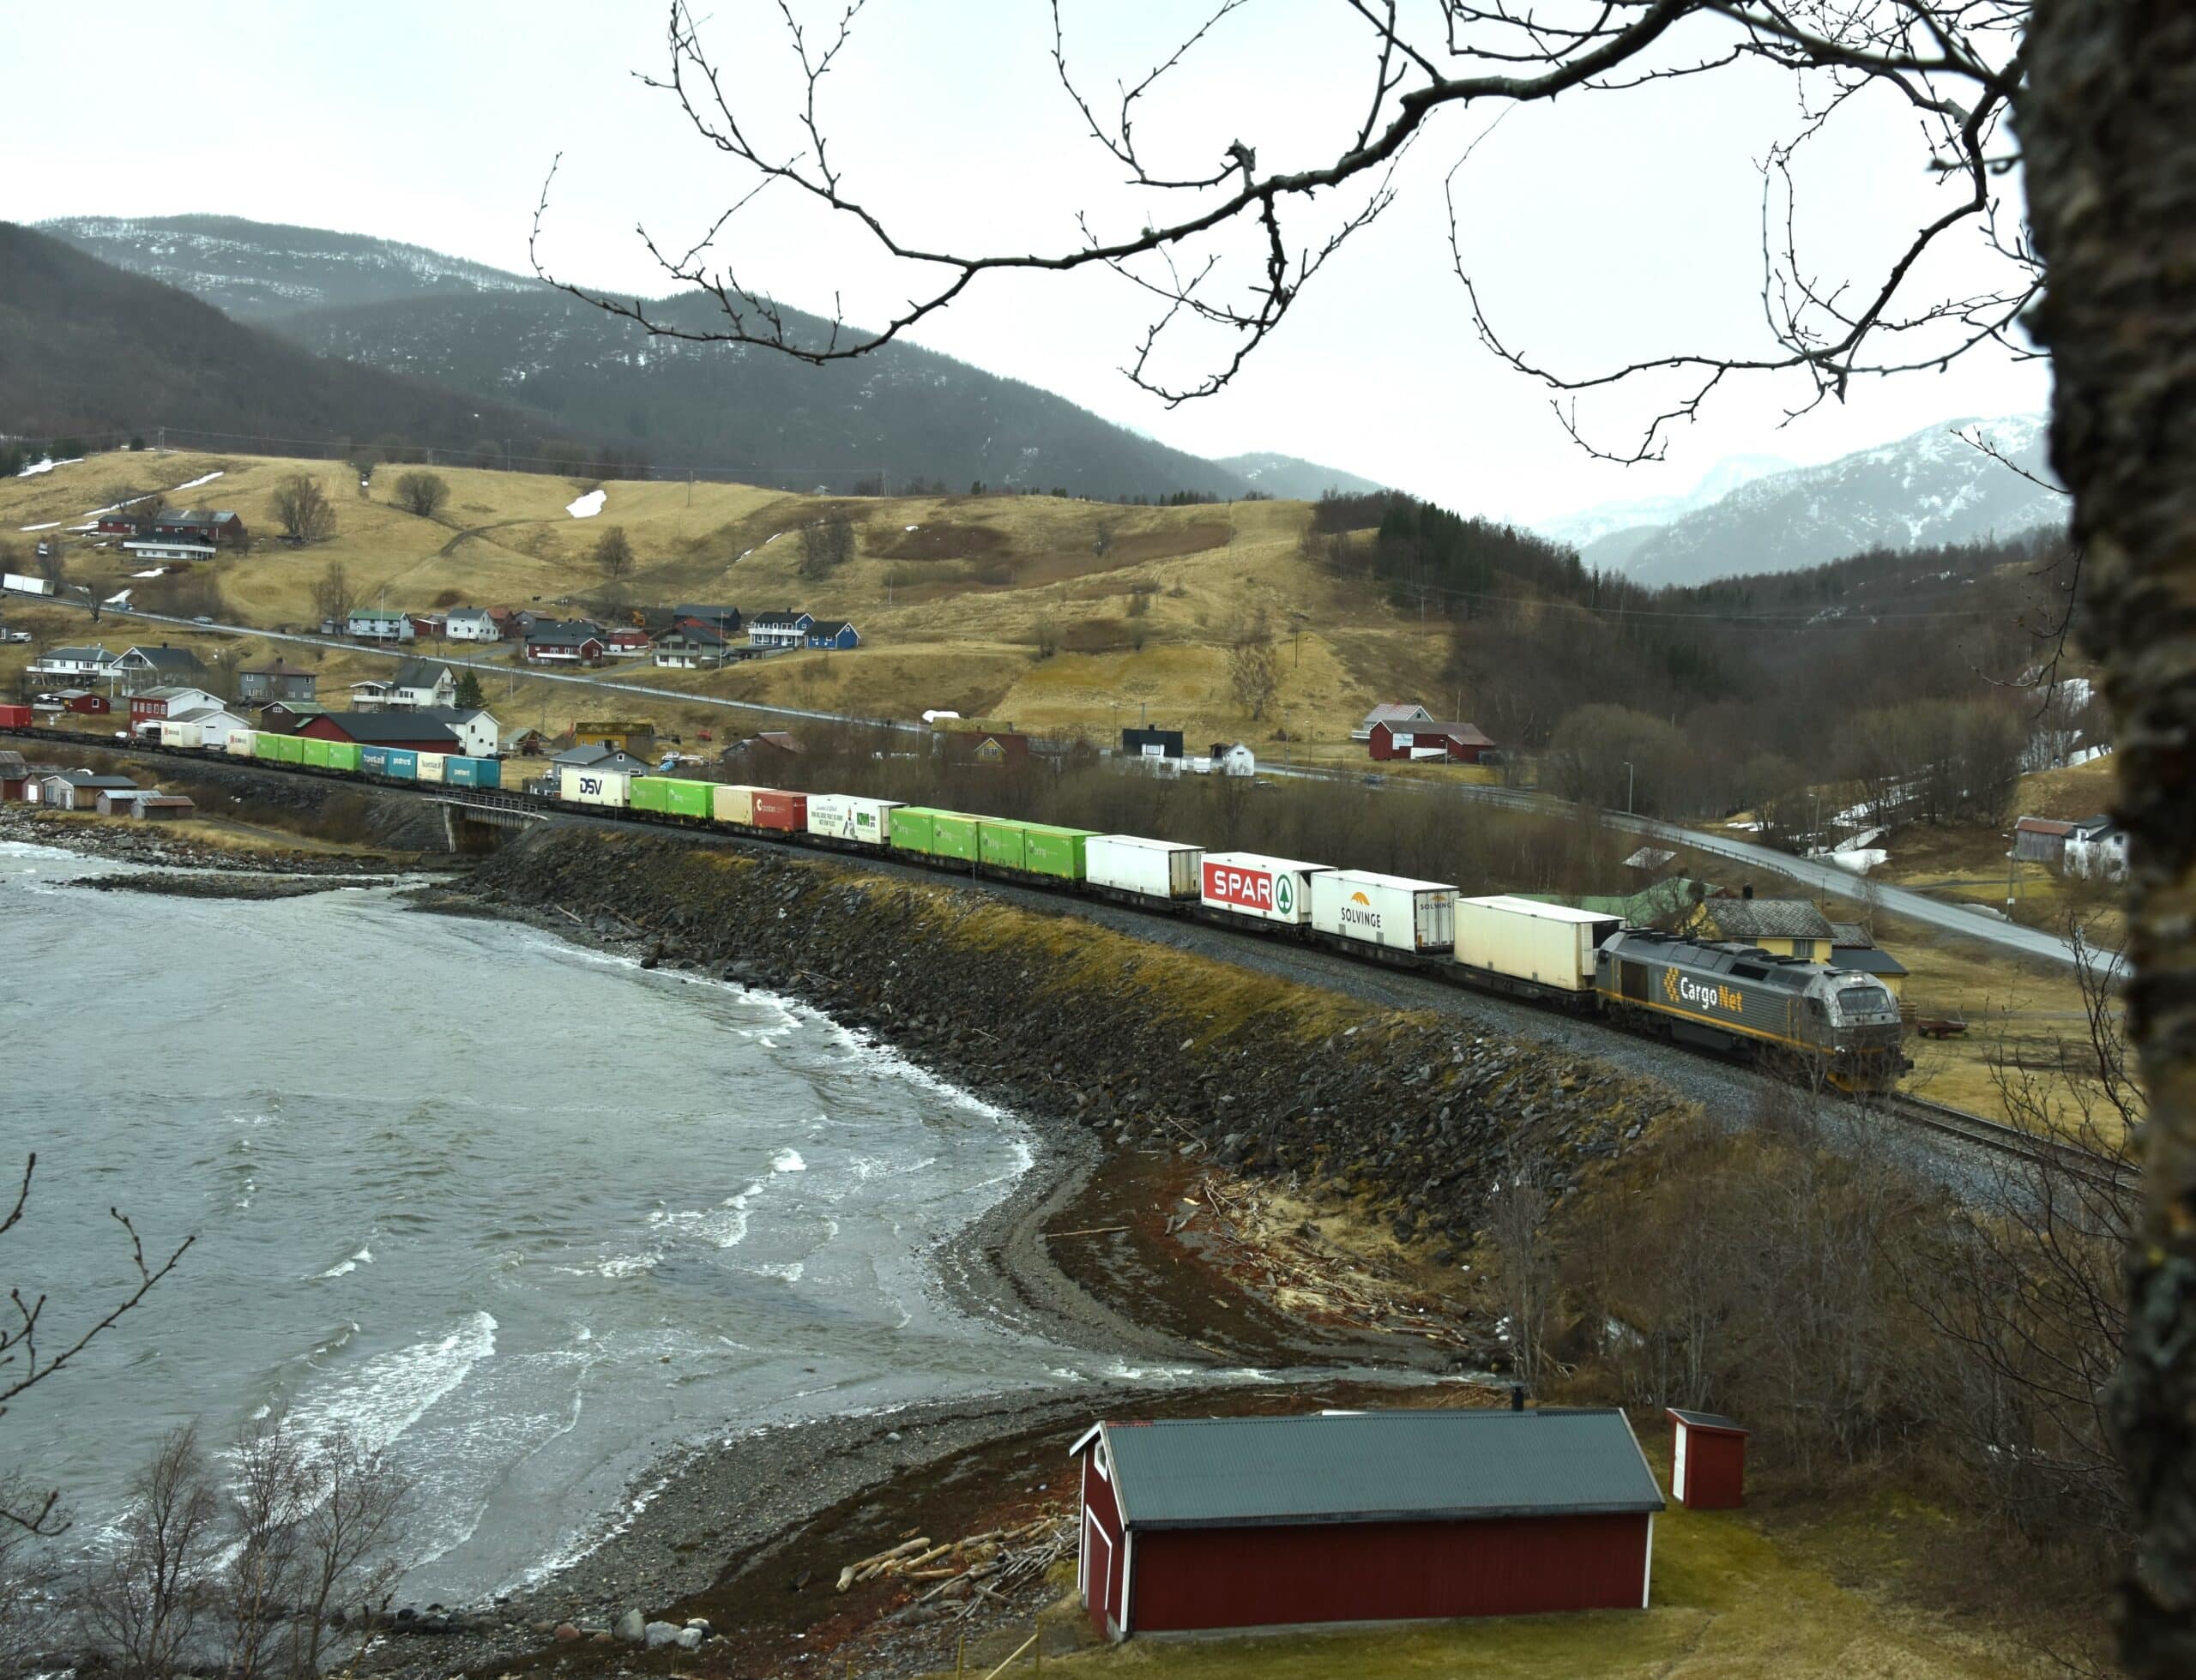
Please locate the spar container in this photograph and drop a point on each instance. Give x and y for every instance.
(1257, 888)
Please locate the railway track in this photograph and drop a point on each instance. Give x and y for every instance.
(2100, 1171)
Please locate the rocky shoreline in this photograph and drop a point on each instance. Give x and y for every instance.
(153, 843)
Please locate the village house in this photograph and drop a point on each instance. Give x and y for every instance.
(1151, 743)
(1457, 742)
(993, 747)
(382, 729)
(1205, 1523)
(374, 624)
(2097, 848)
(723, 620)
(839, 635)
(573, 643)
(166, 549)
(626, 642)
(425, 626)
(220, 528)
(779, 629)
(144, 667)
(420, 682)
(90, 661)
(691, 646)
(260, 683)
(595, 756)
(478, 733)
(1781, 927)
(155, 704)
(284, 716)
(525, 741)
(472, 624)
(120, 522)
(1396, 712)
(1852, 949)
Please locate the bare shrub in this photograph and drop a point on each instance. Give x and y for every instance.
(613, 553)
(145, 1598)
(1517, 1230)
(424, 494)
(826, 545)
(302, 510)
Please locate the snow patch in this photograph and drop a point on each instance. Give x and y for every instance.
(208, 480)
(51, 523)
(587, 507)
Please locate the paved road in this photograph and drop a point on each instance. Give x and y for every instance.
(1819, 877)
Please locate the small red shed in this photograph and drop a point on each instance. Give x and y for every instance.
(1251, 1522)
(1708, 1461)
(85, 704)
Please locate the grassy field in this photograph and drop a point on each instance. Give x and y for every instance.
(950, 593)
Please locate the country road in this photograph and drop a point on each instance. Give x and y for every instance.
(1819, 877)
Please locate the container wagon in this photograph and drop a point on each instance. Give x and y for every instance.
(345, 756)
(1530, 949)
(1160, 874)
(592, 787)
(734, 804)
(1247, 886)
(460, 772)
(431, 766)
(948, 835)
(670, 796)
(239, 743)
(15, 717)
(1388, 912)
(846, 816)
(179, 734)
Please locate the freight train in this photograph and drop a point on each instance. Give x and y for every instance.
(1722, 995)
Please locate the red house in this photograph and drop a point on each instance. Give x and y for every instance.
(382, 729)
(1708, 1461)
(85, 704)
(1458, 743)
(1255, 1522)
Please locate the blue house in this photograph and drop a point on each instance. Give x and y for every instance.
(840, 635)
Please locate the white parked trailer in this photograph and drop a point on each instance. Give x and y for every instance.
(1150, 869)
(1389, 911)
(1537, 947)
(849, 817)
(1263, 889)
(590, 787)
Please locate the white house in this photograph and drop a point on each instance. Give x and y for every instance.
(422, 682)
(1396, 712)
(91, 661)
(2096, 846)
(169, 548)
(478, 733)
(779, 629)
(472, 624)
(375, 625)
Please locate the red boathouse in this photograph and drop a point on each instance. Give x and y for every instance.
(1257, 1523)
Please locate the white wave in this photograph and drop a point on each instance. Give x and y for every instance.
(788, 1161)
(385, 1395)
(789, 1270)
(725, 1225)
(626, 1265)
(343, 1269)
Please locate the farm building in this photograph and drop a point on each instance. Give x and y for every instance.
(15, 776)
(165, 807)
(258, 684)
(122, 801)
(723, 620)
(1783, 927)
(86, 704)
(626, 642)
(171, 701)
(164, 548)
(1394, 712)
(190, 525)
(1708, 1461)
(1458, 743)
(1251, 1522)
(285, 717)
(2041, 840)
(120, 522)
(836, 634)
(77, 790)
(577, 642)
(1151, 743)
(381, 729)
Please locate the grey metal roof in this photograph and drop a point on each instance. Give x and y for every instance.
(379, 728)
(1377, 1466)
(166, 658)
(421, 673)
(1766, 918)
(1707, 1420)
(1870, 961)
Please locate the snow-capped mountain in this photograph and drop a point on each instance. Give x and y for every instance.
(259, 271)
(1643, 514)
(1929, 488)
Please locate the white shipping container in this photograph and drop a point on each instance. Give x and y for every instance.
(591, 787)
(729, 804)
(1549, 945)
(1385, 909)
(431, 766)
(850, 817)
(1266, 890)
(239, 743)
(178, 734)
(1155, 869)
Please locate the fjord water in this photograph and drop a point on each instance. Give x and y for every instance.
(526, 1214)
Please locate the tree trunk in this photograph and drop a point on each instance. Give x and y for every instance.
(2108, 127)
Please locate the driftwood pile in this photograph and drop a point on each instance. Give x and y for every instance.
(1271, 1252)
(975, 1569)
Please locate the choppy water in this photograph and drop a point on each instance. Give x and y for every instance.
(525, 1214)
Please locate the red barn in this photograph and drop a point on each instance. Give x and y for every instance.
(1708, 1461)
(1458, 743)
(85, 704)
(382, 729)
(1254, 1522)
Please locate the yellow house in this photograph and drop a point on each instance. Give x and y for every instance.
(1781, 927)
(1852, 949)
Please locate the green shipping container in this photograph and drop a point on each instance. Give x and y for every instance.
(1002, 843)
(263, 744)
(1053, 851)
(289, 750)
(912, 829)
(313, 751)
(954, 835)
(343, 755)
(673, 796)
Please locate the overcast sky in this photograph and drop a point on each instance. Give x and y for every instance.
(1603, 228)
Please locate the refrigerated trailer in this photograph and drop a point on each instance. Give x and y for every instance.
(1131, 867)
(1538, 949)
(1391, 911)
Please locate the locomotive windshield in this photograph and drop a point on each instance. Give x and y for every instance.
(1869, 1000)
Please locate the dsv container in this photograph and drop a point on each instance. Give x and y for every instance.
(592, 787)
(1389, 911)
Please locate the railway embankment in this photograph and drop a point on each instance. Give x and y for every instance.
(1121, 1047)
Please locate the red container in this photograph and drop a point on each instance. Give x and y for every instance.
(788, 811)
(15, 717)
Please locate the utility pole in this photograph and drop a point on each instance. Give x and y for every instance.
(1627, 787)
